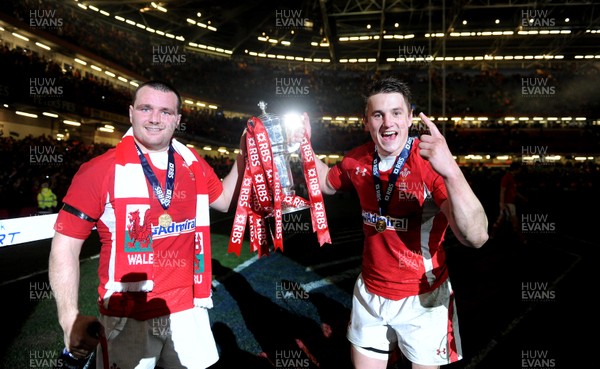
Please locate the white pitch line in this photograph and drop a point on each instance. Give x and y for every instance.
(237, 269)
(351, 273)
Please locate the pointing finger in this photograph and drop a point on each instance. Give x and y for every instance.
(432, 127)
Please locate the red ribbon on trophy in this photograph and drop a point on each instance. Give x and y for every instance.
(262, 196)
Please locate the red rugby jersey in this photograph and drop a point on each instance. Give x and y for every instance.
(408, 258)
(92, 192)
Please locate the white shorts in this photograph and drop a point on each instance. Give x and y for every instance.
(424, 328)
(179, 340)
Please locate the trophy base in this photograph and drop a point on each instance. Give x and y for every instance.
(286, 209)
(292, 203)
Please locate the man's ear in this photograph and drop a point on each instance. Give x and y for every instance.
(130, 113)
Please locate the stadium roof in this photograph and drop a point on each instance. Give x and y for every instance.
(374, 32)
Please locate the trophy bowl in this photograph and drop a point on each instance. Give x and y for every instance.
(282, 132)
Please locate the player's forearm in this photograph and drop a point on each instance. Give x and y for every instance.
(323, 171)
(465, 213)
(231, 185)
(63, 273)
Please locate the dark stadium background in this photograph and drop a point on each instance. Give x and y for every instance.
(504, 80)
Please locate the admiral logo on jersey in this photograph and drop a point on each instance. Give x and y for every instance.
(175, 228)
(396, 224)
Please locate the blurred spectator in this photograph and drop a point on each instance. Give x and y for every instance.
(508, 215)
(46, 200)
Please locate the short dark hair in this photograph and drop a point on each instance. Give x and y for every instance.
(160, 86)
(388, 85)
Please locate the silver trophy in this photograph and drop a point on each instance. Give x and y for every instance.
(281, 132)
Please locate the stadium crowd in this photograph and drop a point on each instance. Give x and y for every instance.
(237, 83)
(21, 178)
(81, 91)
(326, 90)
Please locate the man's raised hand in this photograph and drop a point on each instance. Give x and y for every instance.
(433, 147)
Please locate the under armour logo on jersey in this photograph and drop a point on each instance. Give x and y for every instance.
(362, 171)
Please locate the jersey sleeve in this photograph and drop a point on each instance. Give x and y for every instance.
(439, 192)
(214, 185)
(338, 177)
(86, 195)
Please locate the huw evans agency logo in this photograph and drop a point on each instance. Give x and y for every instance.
(537, 292)
(537, 18)
(291, 359)
(537, 223)
(44, 19)
(537, 359)
(40, 291)
(291, 86)
(44, 155)
(290, 290)
(294, 223)
(414, 54)
(536, 155)
(44, 87)
(537, 87)
(168, 55)
(291, 19)
(45, 359)
(161, 327)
